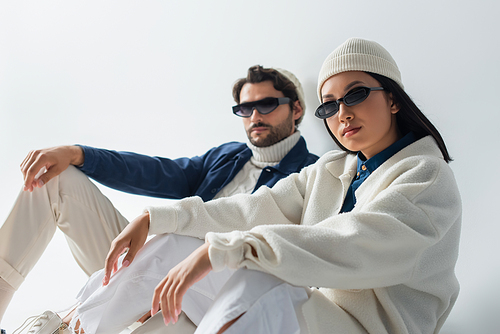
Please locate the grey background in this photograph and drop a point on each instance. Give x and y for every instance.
(156, 77)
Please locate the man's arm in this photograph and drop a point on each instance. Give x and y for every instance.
(125, 171)
(140, 174)
(54, 159)
(145, 175)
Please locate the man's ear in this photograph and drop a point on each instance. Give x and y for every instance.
(297, 110)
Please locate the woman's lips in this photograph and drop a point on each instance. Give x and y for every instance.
(351, 131)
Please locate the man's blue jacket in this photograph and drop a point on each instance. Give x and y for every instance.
(200, 176)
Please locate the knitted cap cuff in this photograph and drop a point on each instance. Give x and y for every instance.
(359, 55)
(300, 91)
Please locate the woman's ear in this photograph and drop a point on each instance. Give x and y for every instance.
(394, 104)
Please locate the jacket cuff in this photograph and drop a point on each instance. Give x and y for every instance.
(88, 165)
(161, 220)
(226, 249)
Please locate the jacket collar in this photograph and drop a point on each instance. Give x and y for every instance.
(348, 167)
(425, 146)
(295, 159)
(341, 163)
(343, 167)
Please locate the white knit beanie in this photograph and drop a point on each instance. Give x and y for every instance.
(296, 82)
(358, 54)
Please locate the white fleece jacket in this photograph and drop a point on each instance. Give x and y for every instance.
(385, 267)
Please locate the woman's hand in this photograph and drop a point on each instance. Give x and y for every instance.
(168, 294)
(132, 238)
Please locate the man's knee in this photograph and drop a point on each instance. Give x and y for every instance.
(72, 181)
(73, 175)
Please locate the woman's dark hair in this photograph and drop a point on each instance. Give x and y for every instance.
(257, 74)
(408, 118)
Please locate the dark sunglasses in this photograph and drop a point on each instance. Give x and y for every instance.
(264, 106)
(351, 98)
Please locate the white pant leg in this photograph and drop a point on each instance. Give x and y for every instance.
(155, 325)
(128, 295)
(69, 201)
(268, 304)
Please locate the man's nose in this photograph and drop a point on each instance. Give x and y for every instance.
(256, 115)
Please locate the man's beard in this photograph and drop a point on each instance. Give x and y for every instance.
(276, 133)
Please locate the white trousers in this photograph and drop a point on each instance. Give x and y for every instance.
(89, 221)
(70, 202)
(265, 303)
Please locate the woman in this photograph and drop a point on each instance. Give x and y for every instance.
(363, 241)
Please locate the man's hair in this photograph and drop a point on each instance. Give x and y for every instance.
(257, 74)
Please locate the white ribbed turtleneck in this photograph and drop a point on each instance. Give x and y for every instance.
(244, 182)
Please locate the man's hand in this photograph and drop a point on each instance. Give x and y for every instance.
(54, 159)
(132, 238)
(169, 293)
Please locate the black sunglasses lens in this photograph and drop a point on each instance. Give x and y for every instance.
(237, 111)
(245, 111)
(327, 109)
(266, 106)
(356, 96)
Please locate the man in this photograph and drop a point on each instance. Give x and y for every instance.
(272, 106)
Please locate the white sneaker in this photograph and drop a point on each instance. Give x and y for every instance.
(46, 323)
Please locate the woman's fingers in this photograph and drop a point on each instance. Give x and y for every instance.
(111, 263)
(159, 300)
(132, 238)
(171, 290)
(115, 267)
(155, 304)
(171, 297)
(166, 298)
(179, 293)
(135, 246)
(164, 303)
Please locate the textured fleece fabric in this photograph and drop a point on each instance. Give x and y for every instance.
(387, 266)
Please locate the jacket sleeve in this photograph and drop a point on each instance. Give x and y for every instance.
(193, 217)
(376, 245)
(145, 175)
(379, 245)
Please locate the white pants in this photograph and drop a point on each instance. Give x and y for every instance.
(90, 222)
(70, 202)
(268, 304)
